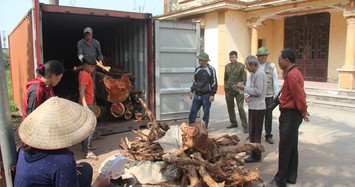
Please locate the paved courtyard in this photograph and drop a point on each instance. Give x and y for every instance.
(326, 146)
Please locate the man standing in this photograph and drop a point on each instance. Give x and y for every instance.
(203, 89)
(293, 109)
(272, 88)
(256, 90)
(89, 47)
(235, 72)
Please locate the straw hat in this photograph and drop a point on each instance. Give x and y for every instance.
(57, 123)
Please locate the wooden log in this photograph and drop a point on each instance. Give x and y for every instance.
(128, 115)
(208, 179)
(97, 111)
(226, 139)
(242, 148)
(110, 89)
(117, 109)
(138, 115)
(147, 111)
(118, 89)
(191, 173)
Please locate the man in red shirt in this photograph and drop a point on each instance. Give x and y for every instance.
(293, 109)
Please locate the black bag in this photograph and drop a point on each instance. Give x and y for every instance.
(273, 104)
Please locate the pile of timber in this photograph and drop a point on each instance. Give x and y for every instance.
(115, 95)
(203, 161)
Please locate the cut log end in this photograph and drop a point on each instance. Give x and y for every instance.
(117, 109)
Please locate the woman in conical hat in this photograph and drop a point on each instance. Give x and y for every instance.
(46, 133)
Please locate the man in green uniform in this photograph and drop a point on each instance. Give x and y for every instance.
(234, 73)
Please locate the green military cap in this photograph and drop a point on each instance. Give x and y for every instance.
(262, 51)
(203, 56)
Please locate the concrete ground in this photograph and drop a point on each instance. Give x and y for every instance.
(326, 146)
(326, 151)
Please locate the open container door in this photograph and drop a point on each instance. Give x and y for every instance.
(25, 52)
(176, 47)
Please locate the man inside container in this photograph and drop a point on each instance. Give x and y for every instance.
(90, 48)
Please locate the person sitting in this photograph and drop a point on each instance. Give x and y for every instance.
(46, 134)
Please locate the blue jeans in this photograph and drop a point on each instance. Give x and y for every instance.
(197, 102)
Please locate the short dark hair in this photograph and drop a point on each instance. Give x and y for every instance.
(233, 53)
(49, 68)
(289, 54)
(89, 60)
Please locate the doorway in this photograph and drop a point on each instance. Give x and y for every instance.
(308, 35)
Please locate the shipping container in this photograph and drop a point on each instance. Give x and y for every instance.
(161, 54)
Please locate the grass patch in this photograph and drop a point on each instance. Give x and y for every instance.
(13, 107)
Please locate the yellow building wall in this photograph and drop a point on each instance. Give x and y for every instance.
(237, 35)
(272, 35)
(211, 38)
(337, 40)
(225, 31)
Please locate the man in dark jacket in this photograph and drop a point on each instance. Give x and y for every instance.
(203, 89)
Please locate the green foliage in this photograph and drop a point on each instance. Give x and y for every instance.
(5, 57)
(13, 107)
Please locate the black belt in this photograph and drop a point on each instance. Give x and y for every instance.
(288, 109)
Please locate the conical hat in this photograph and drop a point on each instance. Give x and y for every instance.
(57, 123)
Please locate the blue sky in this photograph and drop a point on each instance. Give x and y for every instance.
(12, 11)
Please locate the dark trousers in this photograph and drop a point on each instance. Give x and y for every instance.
(289, 120)
(256, 120)
(197, 102)
(239, 99)
(85, 175)
(86, 144)
(268, 118)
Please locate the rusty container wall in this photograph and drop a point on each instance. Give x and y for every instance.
(21, 58)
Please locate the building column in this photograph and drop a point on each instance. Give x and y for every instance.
(254, 39)
(347, 72)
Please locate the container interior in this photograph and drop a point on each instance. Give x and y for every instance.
(122, 39)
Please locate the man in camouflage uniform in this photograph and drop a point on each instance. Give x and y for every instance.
(272, 88)
(234, 73)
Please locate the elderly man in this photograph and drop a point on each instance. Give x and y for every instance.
(256, 89)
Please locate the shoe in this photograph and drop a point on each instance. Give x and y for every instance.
(251, 160)
(291, 181)
(91, 155)
(245, 130)
(232, 126)
(273, 184)
(92, 148)
(269, 140)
